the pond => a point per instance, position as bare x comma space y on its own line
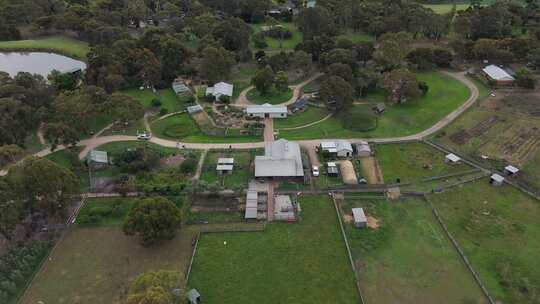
37, 63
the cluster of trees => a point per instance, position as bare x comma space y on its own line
154, 287
17, 267
265, 80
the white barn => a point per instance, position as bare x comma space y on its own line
341, 148
498, 75
266, 110
281, 158
220, 89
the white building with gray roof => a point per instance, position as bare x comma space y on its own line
266, 110
281, 158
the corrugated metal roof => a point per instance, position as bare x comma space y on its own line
194, 109
359, 216
282, 159
511, 169
266, 108
453, 158
496, 177
225, 160
221, 88
224, 167
98, 157
497, 73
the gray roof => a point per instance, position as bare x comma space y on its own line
496, 177
497, 73
194, 109
343, 145
220, 88
98, 157
224, 167
363, 146
281, 158
251, 204
179, 87
266, 108
193, 295
225, 160
511, 169
359, 216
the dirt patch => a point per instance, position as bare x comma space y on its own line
370, 167
463, 136
347, 218
372, 222
172, 161
393, 193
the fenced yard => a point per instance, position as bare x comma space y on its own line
499, 231
304, 262
405, 257
242, 170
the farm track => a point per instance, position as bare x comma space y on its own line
93, 143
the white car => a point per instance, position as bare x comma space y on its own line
315, 171
144, 136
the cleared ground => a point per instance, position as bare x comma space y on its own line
59, 44
407, 258
499, 231
305, 262
96, 265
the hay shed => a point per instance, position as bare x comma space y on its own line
348, 173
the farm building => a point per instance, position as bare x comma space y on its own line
220, 89
510, 170
348, 174
97, 159
194, 109
496, 180
332, 169
179, 87
281, 158
341, 148
379, 108
363, 149
266, 110
452, 159
252, 198
360, 219
299, 105
225, 165
283, 208
497, 74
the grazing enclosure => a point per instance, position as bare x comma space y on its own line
305, 262
403, 256
498, 230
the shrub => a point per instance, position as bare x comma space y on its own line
155, 103
163, 111
188, 166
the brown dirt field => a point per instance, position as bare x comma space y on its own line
202, 118
347, 218
370, 167
372, 222
96, 265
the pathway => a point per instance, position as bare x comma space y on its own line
93, 143
268, 130
243, 101
200, 165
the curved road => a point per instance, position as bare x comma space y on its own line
95, 142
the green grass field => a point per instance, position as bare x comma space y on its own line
445, 95
272, 97
182, 127
121, 146
305, 262
58, 44
168, 98
446, 7
241, 174
107, 211
273, 43
499, 231
408, 258
412, 162
312, 114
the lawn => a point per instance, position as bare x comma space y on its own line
242, 171
287, 44
273, 97
444, 96
241, 77
446, 8
168, 98
96, 265
312, 114
121, 146
408, 258
183, 128
304, 262
413, 161
104, 211
499, 231
58, 44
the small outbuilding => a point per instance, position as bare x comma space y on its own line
194, 297
332, 169
510, 170
220, 89
194, 109
452, 159
252, 199
97, 159
225, 165
496, 180
363, 149
329, 146
283, 208
344, 148
360, 219
179, 87
498, 74
299, 105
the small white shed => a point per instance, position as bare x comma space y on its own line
225, 165
496, 180
452, 159
510, 170
360, 219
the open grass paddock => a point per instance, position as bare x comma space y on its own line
273, 97
57, 44
310, 115
444, 96
408, 259
499, 231
304, 262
